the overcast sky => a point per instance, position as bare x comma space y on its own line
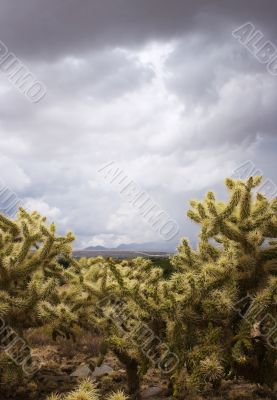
160, 87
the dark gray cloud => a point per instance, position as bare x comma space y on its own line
45, 29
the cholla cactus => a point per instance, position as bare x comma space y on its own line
216, 313
109, 298
137, 321
29, 269
223, 295
87, 391
29, 277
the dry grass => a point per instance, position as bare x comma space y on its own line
86, 343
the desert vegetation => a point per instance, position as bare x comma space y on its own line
198, 328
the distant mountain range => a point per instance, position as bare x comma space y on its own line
151, 246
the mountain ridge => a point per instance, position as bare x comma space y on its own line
149, 246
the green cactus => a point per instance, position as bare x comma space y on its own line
87, 391
29, 280
215, 311
110, 299
224, 293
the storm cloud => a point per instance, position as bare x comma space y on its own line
161, 88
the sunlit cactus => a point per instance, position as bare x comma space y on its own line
29, 280
87, 391
109, 298
215, 311
224, 293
